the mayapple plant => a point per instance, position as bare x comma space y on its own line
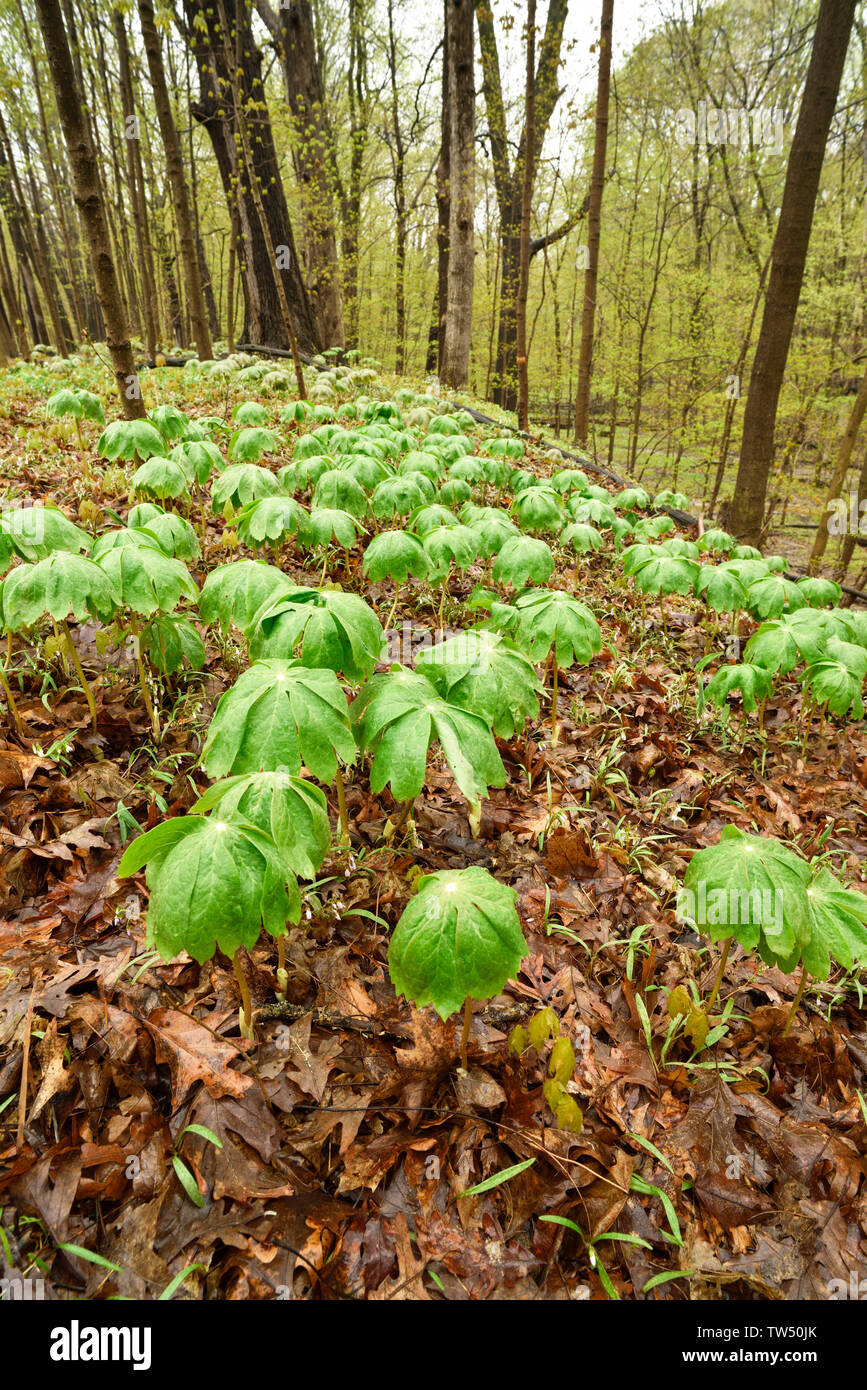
759, 892
554, 624
327, 627
292, 810
214, 883
458, 939
398, 715
485, 673
283, 714
61, 586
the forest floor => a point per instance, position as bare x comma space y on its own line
347, 1137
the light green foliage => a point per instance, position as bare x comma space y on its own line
458, 938
396, 718
280, 714
522, 559
487, 674
233, 594
551, 618
213, 883
292, 810
767, 897
60, 586
334, 630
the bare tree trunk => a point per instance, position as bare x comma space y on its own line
315, 157
265, 249
788, 257
437, 338
399, 168
351, 209
462, 173
526, 201
136, 190
841, 468
594, 226
88, 198
175, 170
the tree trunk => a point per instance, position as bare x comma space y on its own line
788, 257
175, 170
838, 477
594, 226
88, 198
462, 173
314, 156
436, 340
509, 181
136, 189
216, 110
526, 202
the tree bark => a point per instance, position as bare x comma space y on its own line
175, 170
88, 198
526, 207
455, 369
216, 110
509, 181
436, 338
788, 258
594, 226
838, 477
314, 156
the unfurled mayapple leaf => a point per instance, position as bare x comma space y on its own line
292, 810
458, 938
280, 714
213, 883
399, 714
486, 674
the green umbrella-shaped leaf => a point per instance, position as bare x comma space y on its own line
335, 630
523, 558
458, 938
754, 683
549, 618
292, 810
399, 714
394, 555
146, 579
213, 883
280, 714
486, 674
233, 594
63, 585
752, 888
129, 439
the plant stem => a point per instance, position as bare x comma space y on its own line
282, 974
246, 1006
443, 598
324, 569
712, 998
341, 806
142, 680
388, 620
402, 819
798, 997
13, 708
465, 1035
88, 693
554, 704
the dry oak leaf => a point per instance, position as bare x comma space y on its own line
194, 1054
